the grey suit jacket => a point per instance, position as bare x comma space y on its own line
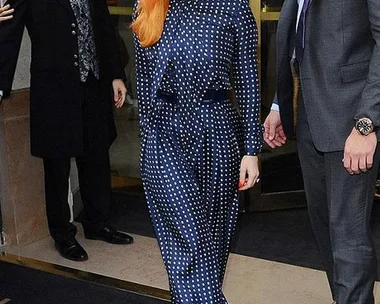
340, 71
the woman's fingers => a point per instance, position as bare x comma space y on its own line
249, 172
251, 179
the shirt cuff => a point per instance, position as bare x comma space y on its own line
275, 107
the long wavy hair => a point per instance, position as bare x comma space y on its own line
149, 24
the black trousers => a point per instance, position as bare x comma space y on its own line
93, 172
340, 207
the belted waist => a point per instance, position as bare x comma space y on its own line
209, 97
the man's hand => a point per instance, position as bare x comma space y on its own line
119, 92
359, 151
274, 134
249, 172
6, 13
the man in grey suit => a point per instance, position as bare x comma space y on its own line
334, 46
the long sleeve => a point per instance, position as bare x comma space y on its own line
245, 74
369, 105
11, 33
144, 81
111, 50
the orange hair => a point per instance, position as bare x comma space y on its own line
149, 24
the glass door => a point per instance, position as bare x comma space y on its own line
124, 152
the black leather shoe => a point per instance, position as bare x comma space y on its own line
71, 250
109, 235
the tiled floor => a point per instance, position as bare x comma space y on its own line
248, 280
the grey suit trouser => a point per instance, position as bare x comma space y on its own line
340, 207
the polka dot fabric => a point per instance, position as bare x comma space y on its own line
192, 145
190, 180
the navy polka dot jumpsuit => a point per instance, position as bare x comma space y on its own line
193, 137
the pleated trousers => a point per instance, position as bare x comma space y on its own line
190, 168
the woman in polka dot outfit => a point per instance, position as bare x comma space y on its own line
193, 139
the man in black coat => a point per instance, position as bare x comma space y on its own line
75, 67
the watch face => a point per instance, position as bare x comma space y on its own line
364, 126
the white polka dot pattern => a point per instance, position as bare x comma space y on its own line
191, 148
205, 40
190, 180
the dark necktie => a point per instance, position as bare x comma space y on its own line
300, 34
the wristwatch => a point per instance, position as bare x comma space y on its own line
364, 126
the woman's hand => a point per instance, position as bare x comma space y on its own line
249, 172
6, 13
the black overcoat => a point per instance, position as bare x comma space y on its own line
55, 102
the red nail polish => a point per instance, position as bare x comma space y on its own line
241, 184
